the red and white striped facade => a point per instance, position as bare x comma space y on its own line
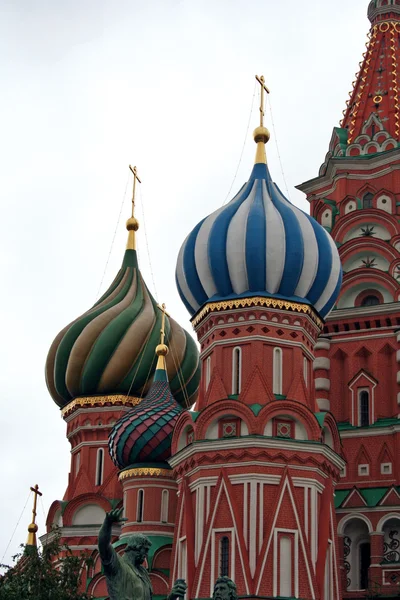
254, 464
286, 475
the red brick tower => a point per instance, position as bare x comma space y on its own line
98, 368
356, 198
256, 462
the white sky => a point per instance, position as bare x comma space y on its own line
89, 86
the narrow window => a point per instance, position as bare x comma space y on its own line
77, 463
224, 553
140, 499
367, 200
285, 574
164, 506
99, 466
364, 408
365, 561
277, 367
305, 370
208, 371
236, 370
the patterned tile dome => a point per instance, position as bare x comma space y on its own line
259, 244
144, 434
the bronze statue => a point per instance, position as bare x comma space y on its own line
225, 589
126, 578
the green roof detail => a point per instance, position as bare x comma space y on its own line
372, 496
320, 416
256, 408
345, 426
340, 497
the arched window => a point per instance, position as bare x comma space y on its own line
277, 370
370, 300
367, 200
224, 557
236, 370
305, 370
164, 506
140, 502
208, 371
364, 408
364, 561
99, 466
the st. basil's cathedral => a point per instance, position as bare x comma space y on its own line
269, 451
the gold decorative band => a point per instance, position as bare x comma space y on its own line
257, 301
88, 401
140, 471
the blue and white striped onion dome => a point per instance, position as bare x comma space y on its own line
259, 244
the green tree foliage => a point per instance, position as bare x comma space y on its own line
52, 573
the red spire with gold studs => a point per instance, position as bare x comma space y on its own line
376, 87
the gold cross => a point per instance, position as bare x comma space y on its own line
264, 88
135, 176
162, 330
33, 527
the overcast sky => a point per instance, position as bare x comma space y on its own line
89, 86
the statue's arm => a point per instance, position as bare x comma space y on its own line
106, 550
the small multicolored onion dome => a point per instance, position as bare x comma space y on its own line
110, 348
259, 244
144, 434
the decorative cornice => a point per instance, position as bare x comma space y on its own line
256, 301
145, 471
91, 401
253, 442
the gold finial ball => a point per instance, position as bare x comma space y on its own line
132, 224
162, 350
33, 528
261, 134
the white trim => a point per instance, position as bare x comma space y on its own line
269, 341
306, 370
208, 370
363, 470
261, 517
245, 511
382, 521
257, 442
236, 369
284, 487
177, 533
295, 561
335, 551
231, 575
306, 495
277, 370
322, 363
370, 405
349, 517
253, 527
140, 485
387, 466
208, 540
93, 410
164, 506
354, 387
